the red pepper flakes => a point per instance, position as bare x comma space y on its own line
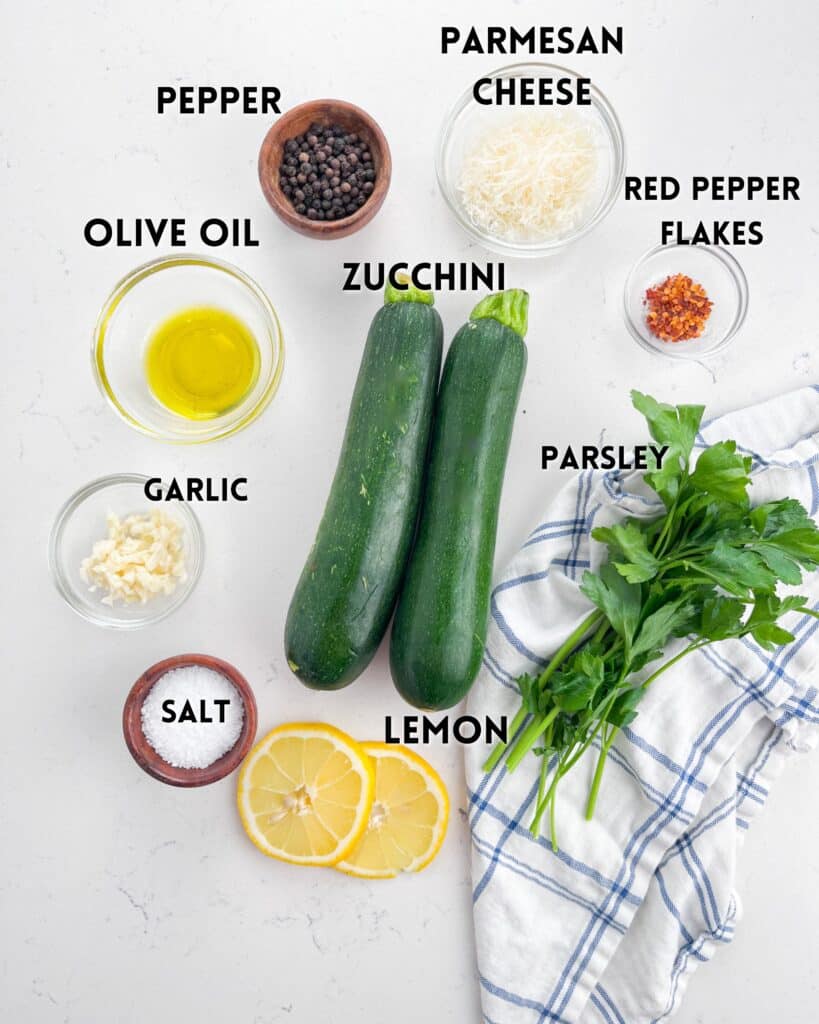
678, 309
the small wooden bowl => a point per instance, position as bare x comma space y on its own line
296, 122
145, 755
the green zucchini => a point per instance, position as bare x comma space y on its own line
439, 631
347, 591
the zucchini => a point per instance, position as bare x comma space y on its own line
346, 594
439, 631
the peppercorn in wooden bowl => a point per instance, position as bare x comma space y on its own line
325, 168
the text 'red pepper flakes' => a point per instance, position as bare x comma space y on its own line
678, 309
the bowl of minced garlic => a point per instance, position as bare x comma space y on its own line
120, 560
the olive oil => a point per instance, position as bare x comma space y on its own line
202, 362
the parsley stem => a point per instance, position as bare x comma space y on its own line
544, 774
500, 748
672, 661
541, 806
607, 742
552, 822
558, 658
598, 773
569, 645
529, 737
563, 766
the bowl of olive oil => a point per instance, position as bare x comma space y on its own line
188, 349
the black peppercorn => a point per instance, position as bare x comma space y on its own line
327, 173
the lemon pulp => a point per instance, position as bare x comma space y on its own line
408, 817
305, 793
202, 362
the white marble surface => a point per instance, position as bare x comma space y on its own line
123, 900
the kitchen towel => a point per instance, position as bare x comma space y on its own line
609, 928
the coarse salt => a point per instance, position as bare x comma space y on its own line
186, 744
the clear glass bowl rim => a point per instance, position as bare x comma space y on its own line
126, 284
671, 351
66, 591
533, 249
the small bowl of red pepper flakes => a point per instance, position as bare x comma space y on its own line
686, 301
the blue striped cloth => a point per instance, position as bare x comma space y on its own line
609, 928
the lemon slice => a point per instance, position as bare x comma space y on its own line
408, 818
305, 793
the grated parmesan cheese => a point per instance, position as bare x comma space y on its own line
142, 557
532, 178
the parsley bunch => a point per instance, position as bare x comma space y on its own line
707, 569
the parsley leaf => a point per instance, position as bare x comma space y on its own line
738, 570
780, 516
722, 475
575, 686
629, 541
677, 428
658, 627
618, 599
624, 709
721, 617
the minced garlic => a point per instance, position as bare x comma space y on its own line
142, 557
532, 178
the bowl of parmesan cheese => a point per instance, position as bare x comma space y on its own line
121, 560
530, 158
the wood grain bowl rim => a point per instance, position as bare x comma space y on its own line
325, 111
145, 755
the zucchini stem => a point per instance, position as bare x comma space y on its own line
406, 293
510, 308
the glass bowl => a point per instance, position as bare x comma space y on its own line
82, 521
146, 298
711, 266
468, 119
